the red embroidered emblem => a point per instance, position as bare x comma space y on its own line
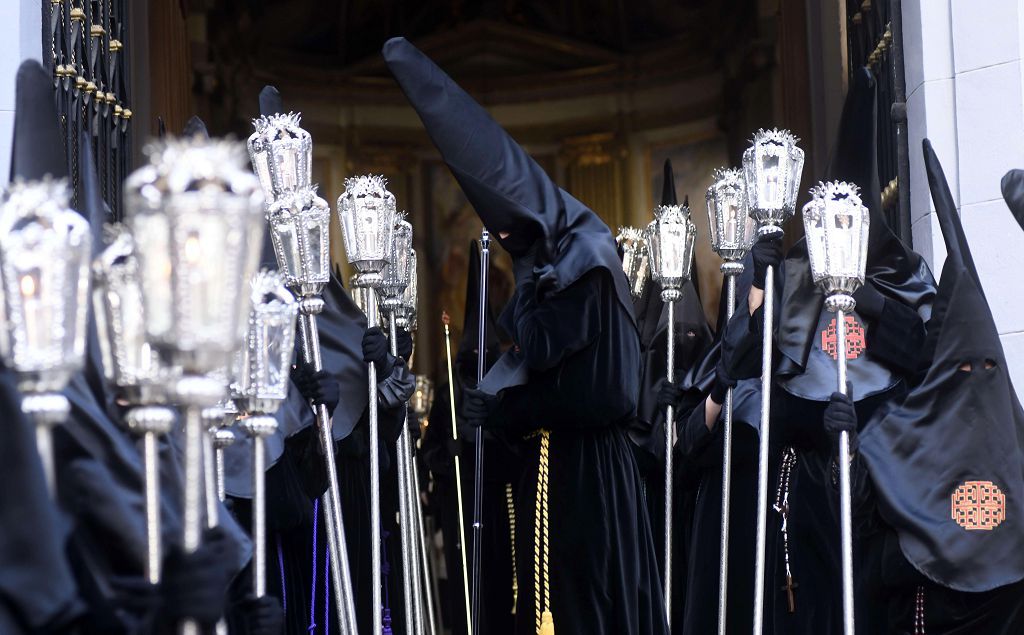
979, 505
855, 341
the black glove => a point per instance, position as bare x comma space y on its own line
414, 427
194, 584
841, 416
870, 302
723, 382
317, 386
477, 406
376, 351
261, 616
669, 394
404, 344
766, 252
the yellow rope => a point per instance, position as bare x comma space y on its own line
541, 581
512, 532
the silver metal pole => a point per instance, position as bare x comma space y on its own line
478, 490
194, 392
670, 429
258, 427
409, 566
210, 473
151, 422
731, 270
341, 577
428, 589
46, 410
371, 321
762, 459
846, 516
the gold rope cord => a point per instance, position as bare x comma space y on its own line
512, 530
545, 625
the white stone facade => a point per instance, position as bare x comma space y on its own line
965, 92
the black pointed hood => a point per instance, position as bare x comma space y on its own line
195, 127
466, 358
270, 101
668, 185
1012, 186
161, 128
506, 187
38, 146
948, 461
896, 271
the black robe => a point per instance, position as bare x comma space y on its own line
583, 358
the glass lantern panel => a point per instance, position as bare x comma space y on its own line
317, 228
286, 165
673, 249
286, 245
277, 334
261, 165
814, 229
153, 231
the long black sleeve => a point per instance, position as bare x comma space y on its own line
562, 324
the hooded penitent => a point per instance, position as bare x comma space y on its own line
573, 378
37, 588
948, 462
693, 337
897, 272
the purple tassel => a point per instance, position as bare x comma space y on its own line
280, 566
387, 623
312, 592
327, 588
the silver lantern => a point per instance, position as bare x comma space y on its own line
196, 213
130, 363
733, 233
261, 384
282, 154
422, 396
836, 224
772, 166
367, 213
670, 239
299, 224
358, 294
636, 262
395, 274
670, 244
44, 273
409, 309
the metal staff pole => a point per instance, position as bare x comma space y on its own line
366, 210
772, 167
670, 243
846, 515
151, 422
428, 591
410, 566
341, 577
837, 224
732, 234
458, 470
478, 477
